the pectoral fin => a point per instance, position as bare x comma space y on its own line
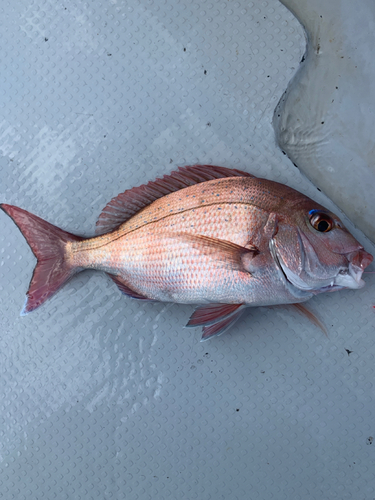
225, 253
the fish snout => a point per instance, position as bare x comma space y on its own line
357, 264
360, 259
352, 277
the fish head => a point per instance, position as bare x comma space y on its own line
315, 252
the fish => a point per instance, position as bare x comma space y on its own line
216, 237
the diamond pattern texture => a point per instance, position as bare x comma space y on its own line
105, 397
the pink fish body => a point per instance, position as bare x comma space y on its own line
203, 235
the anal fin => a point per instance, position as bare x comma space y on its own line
125, 289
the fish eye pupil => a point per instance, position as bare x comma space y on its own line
321, 222
322, 226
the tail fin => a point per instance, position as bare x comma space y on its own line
48, 244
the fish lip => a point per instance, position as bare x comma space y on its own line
357, 263
298, 293
360, 259
351, 279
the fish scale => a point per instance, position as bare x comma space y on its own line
216, 221
166, 267
235, 195
235, 191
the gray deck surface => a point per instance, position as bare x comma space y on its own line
105, 397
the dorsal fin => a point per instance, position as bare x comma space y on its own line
125, 205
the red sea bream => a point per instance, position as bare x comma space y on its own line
206, 235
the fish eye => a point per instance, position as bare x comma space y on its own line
321, 222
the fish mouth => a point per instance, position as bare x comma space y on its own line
352, 276
293, 283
